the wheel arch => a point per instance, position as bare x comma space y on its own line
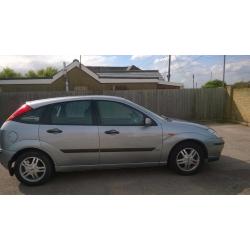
204, 148
24, 150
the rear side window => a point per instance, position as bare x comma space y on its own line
31, 117
71, 113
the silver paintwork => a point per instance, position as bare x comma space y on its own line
17, 136
73, 137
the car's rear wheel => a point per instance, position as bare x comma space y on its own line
187, 158
33, 168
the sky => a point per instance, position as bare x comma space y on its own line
183, 67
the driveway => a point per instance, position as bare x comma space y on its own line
230, 175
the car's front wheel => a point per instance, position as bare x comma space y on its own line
33, 168
187, 158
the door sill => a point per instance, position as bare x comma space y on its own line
108, 166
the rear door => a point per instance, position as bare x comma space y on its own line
70, 133
124, 138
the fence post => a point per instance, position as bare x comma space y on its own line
228, 103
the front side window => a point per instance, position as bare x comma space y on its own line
115, 114
71, 113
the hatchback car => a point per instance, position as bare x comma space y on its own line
88, 132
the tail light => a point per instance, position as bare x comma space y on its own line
22, 110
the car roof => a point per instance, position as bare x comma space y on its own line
47, 101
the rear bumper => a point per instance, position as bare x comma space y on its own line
5, 157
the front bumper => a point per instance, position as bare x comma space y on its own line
213, 158
214, 148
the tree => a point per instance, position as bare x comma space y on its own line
31, 74
9, 73
42, 73
47, 72
213, 84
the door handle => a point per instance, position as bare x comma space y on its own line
54, 131
112, 132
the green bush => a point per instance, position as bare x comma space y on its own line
213, 84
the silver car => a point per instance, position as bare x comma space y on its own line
90, 132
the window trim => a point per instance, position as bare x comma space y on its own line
45, 118
98, 116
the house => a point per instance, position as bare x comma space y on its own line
76, 76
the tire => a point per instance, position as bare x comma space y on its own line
187, 158
33, 168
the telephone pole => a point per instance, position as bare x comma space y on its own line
224, 67
66, 77
193, 81
169, 64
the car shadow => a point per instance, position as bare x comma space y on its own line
226, 176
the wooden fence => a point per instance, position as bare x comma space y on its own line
189, 104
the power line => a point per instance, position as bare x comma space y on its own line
241, 72
208, 73
196, 59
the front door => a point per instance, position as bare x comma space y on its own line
124, 139
70, 134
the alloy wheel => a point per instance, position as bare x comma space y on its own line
188, 159
32, 169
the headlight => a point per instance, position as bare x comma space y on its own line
212, 131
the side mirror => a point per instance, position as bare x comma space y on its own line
148, 122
